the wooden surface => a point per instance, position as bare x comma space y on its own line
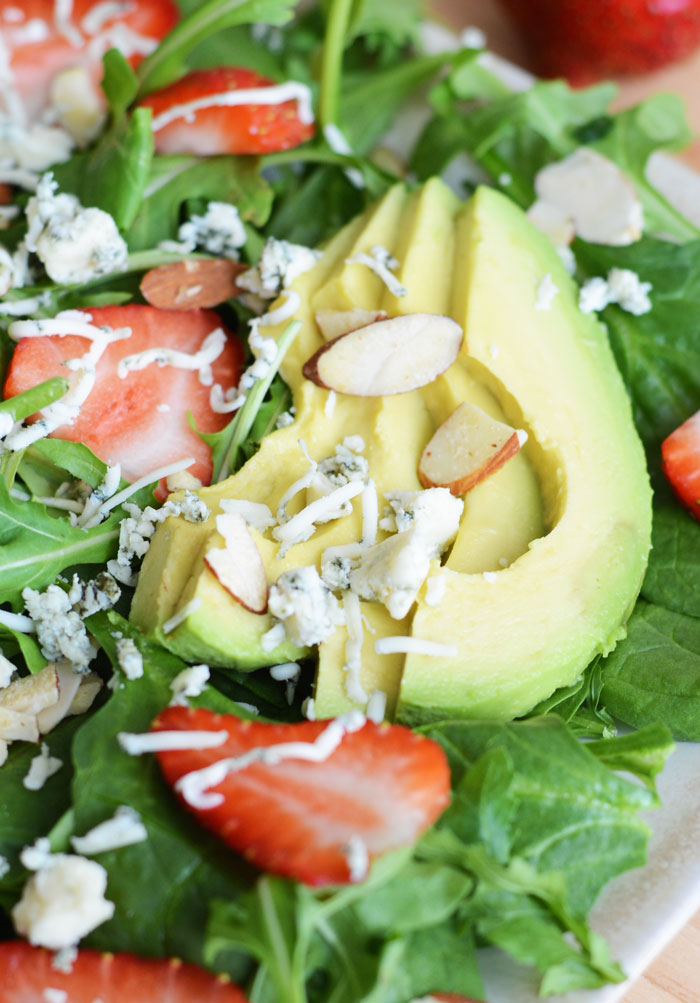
674, 977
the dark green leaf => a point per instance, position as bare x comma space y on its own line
653, 676
208, 19
673, 575
175, 180
117, 170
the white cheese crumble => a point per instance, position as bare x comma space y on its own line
220, 230
339, 144
169, 741
353, 649
414, 646
306, 606
279, 265
181, 615
393, 571
291, 90
435, 590
124, 829
194, 787
622, 286
7, 670
60, 630
73, 243
41, 768
255, 514
376, 706
383, 264
303, 525
64, 960
358, 858
32, 149
547, 290
129, 658
62, 902
55, 995
191, 682
288, 673
4, 866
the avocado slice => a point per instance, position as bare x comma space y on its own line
562, 530
536, 624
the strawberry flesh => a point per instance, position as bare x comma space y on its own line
586, 41
35, 62
112, 978
384, 785
680, 461
246, 128
139, 421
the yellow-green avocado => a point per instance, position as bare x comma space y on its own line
562, 530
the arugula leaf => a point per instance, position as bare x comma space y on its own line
160, 887
74, 457
35, 546
166, 63
116, 171
23, 404
654, 674
119, 82
177, 179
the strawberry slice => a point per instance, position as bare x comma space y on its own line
139, 421
245, 128
380, 788
28, 972
680, 461
40, 43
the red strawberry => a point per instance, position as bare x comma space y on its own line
383, 785
26, 972
139, 421
38, 46
587, 40
680, 460
245, 128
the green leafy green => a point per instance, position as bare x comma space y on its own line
36, 546
178, 179
160, 887
25, 815
673, 575
654, 674
207, 19
117, 170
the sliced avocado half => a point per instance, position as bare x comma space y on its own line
562, 529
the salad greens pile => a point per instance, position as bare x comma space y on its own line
539, 821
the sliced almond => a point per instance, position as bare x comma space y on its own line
188, 285
90, 686
68, 685
32, 694
239, 566
552, 221
16, 726
466, 448
387, 357
593, 192
333, 323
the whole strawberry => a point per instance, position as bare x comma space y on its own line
587, 40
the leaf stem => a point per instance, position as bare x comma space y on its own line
332, 60
241, 425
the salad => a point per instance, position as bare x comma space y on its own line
205, 377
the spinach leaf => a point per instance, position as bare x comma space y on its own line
25, 815
673, 574
160, 887
654, 674
657, 352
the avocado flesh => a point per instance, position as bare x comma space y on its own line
563, 595
537, 623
